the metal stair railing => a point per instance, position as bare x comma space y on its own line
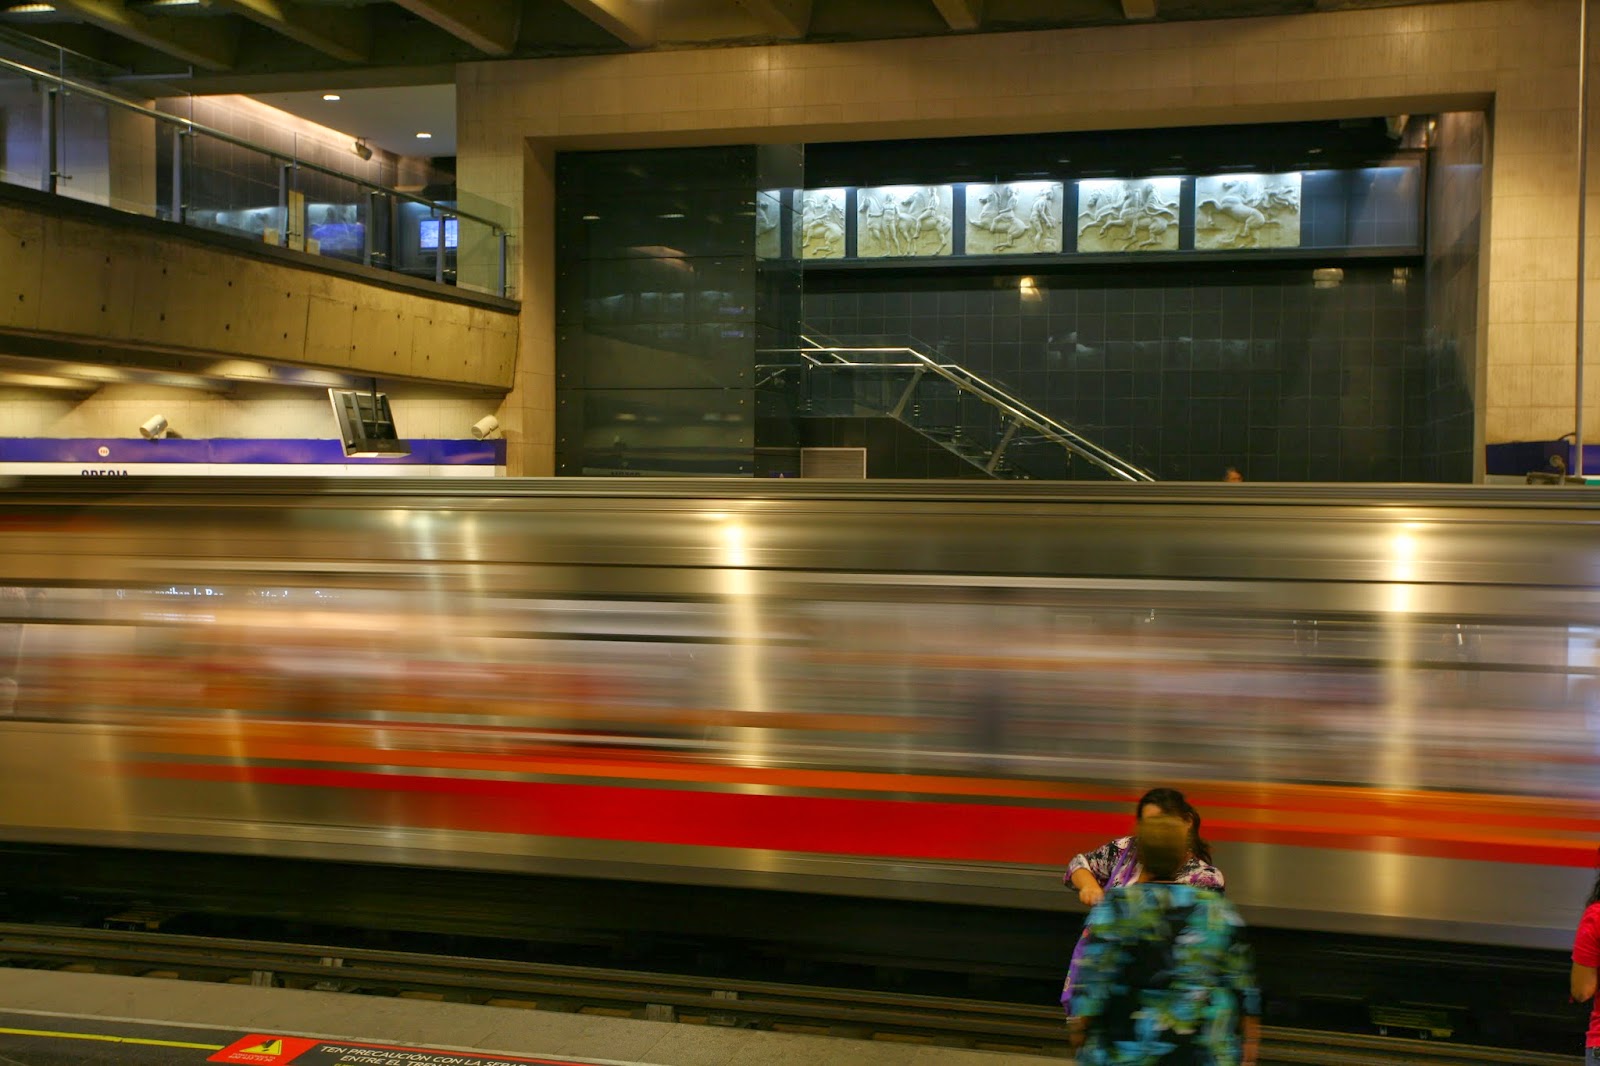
1016, 415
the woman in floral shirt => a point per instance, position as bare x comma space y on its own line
1167, 977
1117, 863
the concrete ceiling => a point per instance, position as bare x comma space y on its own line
389, 117
392, 61
257, 46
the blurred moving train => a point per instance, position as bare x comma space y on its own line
1383, 699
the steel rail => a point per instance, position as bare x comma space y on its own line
661, 996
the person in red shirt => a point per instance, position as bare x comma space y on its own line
1585, 960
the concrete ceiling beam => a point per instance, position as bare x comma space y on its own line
961, 14
1138, 10
490, 26
785, 18
344, 35
633, 22
205, 43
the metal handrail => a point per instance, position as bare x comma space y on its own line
966, 381
83, 89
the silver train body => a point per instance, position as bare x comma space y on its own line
1383, 700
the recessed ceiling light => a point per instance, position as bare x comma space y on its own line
591, 218
330, 96
671, 214
30, 9
424, 135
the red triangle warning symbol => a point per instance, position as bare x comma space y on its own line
264, 1050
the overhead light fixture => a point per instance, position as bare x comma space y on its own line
154, 428
331, 97
591, 218
671, 214
31, 9
174, 3
424, 135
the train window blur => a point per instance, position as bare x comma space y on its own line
1180, 682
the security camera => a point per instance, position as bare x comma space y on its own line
154, 429
487, 426
360, 148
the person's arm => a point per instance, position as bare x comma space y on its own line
1089, 872
1586, 955
1583, 982
1089, 888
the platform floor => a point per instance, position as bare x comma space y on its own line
50, 1018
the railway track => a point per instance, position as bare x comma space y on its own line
656, 996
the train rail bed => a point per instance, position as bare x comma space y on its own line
57, 1018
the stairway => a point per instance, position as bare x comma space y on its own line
976, 420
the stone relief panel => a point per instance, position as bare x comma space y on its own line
1234, 211
769, 216
821, 224
904, 220
1128, 215
1015, 218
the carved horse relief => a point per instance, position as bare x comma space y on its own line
880, 225
920, 212
822, 229
1022, 217
1129, 216
1247, 211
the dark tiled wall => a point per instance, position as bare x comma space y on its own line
1455, 201
1185, 370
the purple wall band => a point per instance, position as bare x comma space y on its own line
330, 452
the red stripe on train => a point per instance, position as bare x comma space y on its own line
919, 829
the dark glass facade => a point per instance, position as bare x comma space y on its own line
656, 311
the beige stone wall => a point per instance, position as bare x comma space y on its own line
246, 411
1518, 56
100, 281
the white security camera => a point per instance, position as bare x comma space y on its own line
154, 429
487, 426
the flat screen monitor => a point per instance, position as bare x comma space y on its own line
430, 233
366, 424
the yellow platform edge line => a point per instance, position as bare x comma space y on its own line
109, 1039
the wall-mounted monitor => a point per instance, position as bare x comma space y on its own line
429, 233
366, 424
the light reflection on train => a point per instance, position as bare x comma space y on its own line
937, 732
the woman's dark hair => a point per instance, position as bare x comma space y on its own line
1171, 801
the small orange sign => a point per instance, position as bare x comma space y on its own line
264, 1050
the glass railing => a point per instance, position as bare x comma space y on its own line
73, 139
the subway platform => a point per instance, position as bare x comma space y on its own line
55, 1018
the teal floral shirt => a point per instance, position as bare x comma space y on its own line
1165, 978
